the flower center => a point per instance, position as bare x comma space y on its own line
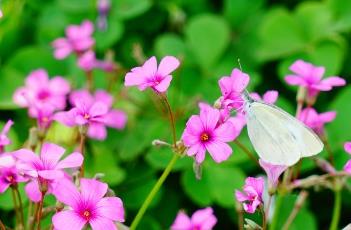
43, 95
86, 214
204, 137
86, 116
10, 179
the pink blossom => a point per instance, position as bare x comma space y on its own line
232, 87
40, 91
316, 121
347, 167
89, 206
347, 147
202, 219
203, 132
46, 168
78, 39
252, 198
151, 76
310, 77
4, 140
94, 112
88, 62
270, 97
273, 172
9, 174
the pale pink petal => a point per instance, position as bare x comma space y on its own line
301, 68
209, 118
6, 161
225, 84
167, 65
270, 96
327, 116
68, 219
257, 184
51, 153
317, 74
97, 131
116, 119
200, 153
26, 155
71, 161
150, 67
255, 96
98, 109
86, 28
273, 171
194, 125
104, 97
33, 191
81, 99
182, 222
20, 97
66, 192
37, 78
241, 197
225, 132
62, 48
334, 81
87, 61
111, 208
164, 84
132, 79
347, 147
3, 185
7, 127
204, 218
190, 139
295, 80
59, 85
219, 151
51, 174
102, 223
240, 80
67, 118
90, 194
347, 167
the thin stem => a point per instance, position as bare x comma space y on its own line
29, 213
90, 82
171, 118
298, 205
153, 192
240, 212
328, 148
20, 205
2, 226
81, 150
40, 210
247, 151
278, 205
264, 220
15, 203
336, 211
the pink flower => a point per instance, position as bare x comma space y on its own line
78, 39
273, 172
89, 206
9, 174
252, 198
203, 132
316, 121
347, 147
46, 168
202, 219
40, 91
88, 62
270, 97
4, 140
310, 77
151, 76
94, 112
232, 87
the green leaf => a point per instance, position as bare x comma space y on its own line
160, 157
280, 35
169, 44
77, 6
113, 33
126, 9
197, 190
341, 14
222, 183
10, 80
207, 37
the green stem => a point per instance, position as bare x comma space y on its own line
15, 203
247, 151
276, 215
336, 210
153, 192
20, 205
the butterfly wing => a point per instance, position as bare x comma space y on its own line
277, 137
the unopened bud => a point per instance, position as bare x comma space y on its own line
251, 225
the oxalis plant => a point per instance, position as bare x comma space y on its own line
45, 170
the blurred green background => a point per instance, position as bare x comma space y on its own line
209, 37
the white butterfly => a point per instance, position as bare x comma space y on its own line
278, 137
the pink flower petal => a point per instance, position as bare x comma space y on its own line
164, 84
241, 197
295, 80
51, 174
37, 78
98, 109
7, 127
94, 195
51, 154
132, 78
327, 116
111, 208
334, 81
240, 80
26, 156
33, 191
66, 118
225, 132
200, 153
104, 97
273, 171
3, 185
204, 218
102, 223
82, 99
219, 151
7, 161
167, 65
270, 96
181, 222
68, 219
71, 161
66, 192
209, 118
97, 131
150, 67
20, 97
347, 167
194, 125
301, 68
347, 147
116, 119
59, 85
